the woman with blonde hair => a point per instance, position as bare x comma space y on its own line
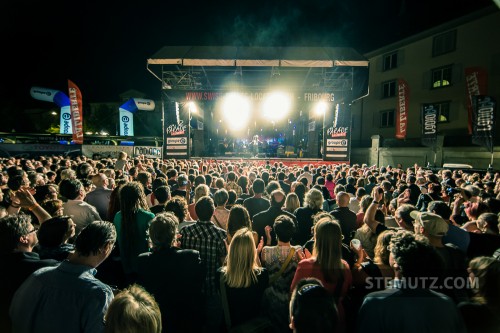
326, 263
201, 190
133, 310
242, 278
291, 202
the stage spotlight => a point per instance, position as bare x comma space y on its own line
236, 110
321, 107
276, 106
192, 107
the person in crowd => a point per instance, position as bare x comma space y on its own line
291, 202
207, 239
433, 194
472, 211
300, 190
257, 203
231, 199
366, 236
68, 298
200, 191
487, 223
151, 197
18, 237
221, 213
53, 236
355, 201
178, 206
99, 197
281, 262
481, 313
410, 306
144, 177
312, 308
174, 276
241, 278
267, 218
53, 206
345, 216
45, 192
182, 187
81, 212
114, 200
239, 219
313, 203
330, 185
132, 223
133, 310
161, 196
232, 185
284, 186
326, 264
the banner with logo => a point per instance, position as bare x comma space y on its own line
126, 123
75, 99
337, 135
483, 121
127, 111
476, 82
429, 125
402, 109
59, 98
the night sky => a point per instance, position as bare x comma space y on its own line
103, 46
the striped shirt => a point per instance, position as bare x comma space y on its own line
208, 239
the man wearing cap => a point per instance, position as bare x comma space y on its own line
434, 227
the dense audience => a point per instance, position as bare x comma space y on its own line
149, 245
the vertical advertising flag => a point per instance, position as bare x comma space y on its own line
483, 121
429, 125
402, 109
75, 99
476, 81
126, 123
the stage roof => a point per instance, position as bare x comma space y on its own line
256, 68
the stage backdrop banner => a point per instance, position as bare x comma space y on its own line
75, 98
337, 135
402, 109
429, 125
483, 121
476, 83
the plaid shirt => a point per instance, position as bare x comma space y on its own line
235, 187
208, 239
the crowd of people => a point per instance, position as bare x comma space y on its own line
150, 245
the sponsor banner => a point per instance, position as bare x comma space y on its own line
177, 141
205, 95
200, 125
134, 104
177, 147
75, 98
402, 109
176, 153
336, 155
312, 126
65, 124
126, 123
476, 80
429, 125
106, 151
336, 148
337, 133
337, 142
483, 121
148, 152
176, 129
49, 95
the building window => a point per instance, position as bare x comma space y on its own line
444, 43
387, 118
390, 61
389, 89
441, 77
443, 111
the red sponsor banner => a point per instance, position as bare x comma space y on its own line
402, 109
476, 83
75, 100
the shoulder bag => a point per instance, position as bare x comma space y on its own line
277, 275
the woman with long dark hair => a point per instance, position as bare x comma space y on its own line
132, 223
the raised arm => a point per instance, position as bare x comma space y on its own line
369, 218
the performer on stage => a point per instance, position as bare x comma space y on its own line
254, 145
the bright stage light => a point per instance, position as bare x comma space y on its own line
321, 107
276, 106
192, 107
236, 110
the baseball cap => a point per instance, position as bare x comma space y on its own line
433, 224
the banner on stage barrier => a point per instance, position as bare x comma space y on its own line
337, 135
